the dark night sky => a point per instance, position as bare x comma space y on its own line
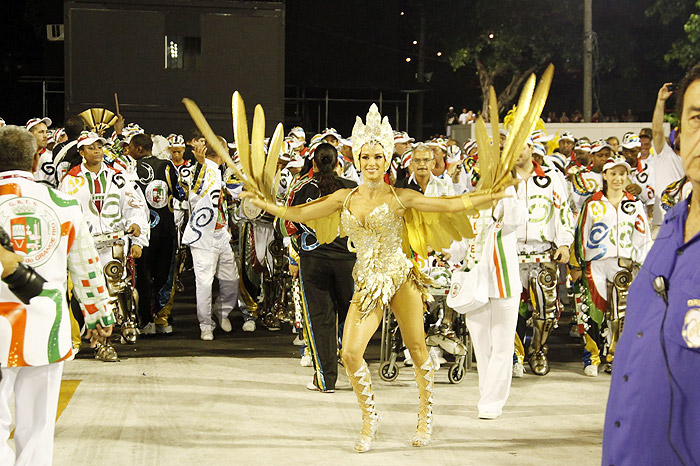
356, 49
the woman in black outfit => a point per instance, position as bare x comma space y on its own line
325, 274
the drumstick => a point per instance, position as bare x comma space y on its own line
116, 102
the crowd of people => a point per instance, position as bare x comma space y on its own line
578, 217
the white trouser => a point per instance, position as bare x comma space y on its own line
36, 390
208, 263
602, 272
492, 330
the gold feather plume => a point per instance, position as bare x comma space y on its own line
496, 165
258, 170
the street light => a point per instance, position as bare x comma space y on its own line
408, 59
491, 36
415, 42
439, 54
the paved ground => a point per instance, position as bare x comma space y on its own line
241, 400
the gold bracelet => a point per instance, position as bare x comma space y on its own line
467, 202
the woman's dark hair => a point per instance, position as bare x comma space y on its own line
326, 158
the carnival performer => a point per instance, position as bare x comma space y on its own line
544, 239
372, 216
44, 171
491, 327
641, 177
110, 202
589, 180
49, 232
159, 182
325, 274
209, 240
611, 240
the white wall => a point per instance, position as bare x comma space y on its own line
592, 130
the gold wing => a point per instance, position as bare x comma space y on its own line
497, 167
327, 228
436, 230
258, 170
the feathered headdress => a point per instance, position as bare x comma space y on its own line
373, 131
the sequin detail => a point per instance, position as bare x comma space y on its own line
381, 267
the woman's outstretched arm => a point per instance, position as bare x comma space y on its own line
319, 208
470, 203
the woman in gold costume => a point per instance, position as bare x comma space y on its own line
374, 216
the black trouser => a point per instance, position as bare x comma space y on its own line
152, 271
327, 288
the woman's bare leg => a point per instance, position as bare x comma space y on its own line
356, 336
407, 306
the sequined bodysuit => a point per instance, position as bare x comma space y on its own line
381, 267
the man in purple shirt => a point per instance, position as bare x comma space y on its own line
653, 414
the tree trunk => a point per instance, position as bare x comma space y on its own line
507, 96
511, 90
485, 81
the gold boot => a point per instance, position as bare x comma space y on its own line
424, 378
362, 386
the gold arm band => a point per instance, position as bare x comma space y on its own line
467, 202
281, 210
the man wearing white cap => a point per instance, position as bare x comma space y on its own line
299, 135
579, 158
590, 180
543, 241
111, 204
566, 144
641, 176
45, 171
402, 143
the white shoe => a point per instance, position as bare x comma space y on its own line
206, 335
518, 370
298, 341
248, 326
161, 329
148, 329
306, 361
226, 325
591, 370
488, 415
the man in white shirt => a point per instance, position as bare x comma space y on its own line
666, 163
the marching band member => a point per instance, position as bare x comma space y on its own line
587, 181
207, 235
110, 202
612, 238
45, 171
544, 240
159, 182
